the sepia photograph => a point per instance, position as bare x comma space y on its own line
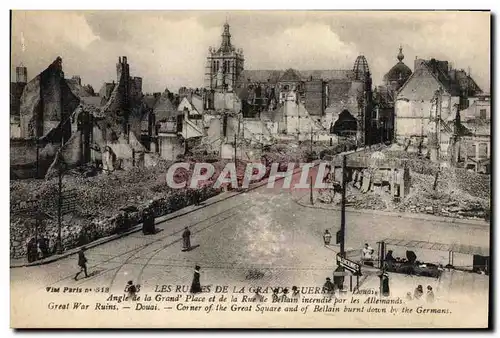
250, 169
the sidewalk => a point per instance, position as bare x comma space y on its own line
22, 262
304, 202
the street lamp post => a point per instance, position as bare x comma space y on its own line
311, 197
342, 214
37, 158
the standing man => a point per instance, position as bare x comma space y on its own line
197, 196
195, 285
384, 284
327, 237
367, 254
82, 263
328, 287
186, 239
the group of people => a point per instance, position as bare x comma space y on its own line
367, 255
37, 248
284, 295
419, 294
330, 287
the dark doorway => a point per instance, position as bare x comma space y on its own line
345, 125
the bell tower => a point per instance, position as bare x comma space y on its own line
224, 65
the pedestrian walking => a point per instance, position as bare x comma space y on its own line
430, 294
195, 285
186, 239
131, 289
82, 263
275, 296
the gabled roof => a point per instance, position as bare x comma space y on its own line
452, 85
290, 75
197, 101
164, 109
328, 75
150, 101
274, 76
260, 75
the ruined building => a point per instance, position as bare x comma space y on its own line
74, 126
46, 105
385, 97
16, 90
327, 97
415, 99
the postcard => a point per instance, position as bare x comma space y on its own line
250, 169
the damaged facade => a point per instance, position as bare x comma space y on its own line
385, 97
414, 99
75, 126
444, 114
300, 102
16, 91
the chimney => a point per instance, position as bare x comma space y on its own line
434, 66
21, 74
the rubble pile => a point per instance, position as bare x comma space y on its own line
370, 201
477, 185
100, 199
459, 193
449, 198
355, 199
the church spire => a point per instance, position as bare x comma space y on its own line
401, 55
226, 46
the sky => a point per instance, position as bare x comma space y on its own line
168, 49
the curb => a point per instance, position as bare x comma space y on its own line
103, 240
159, 220
398, 215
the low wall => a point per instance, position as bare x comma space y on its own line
75, 234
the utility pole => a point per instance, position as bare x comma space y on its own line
311, 139
438, 127
311, 189
342, 213
185, 137
235, 148
59, 210
37, 158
